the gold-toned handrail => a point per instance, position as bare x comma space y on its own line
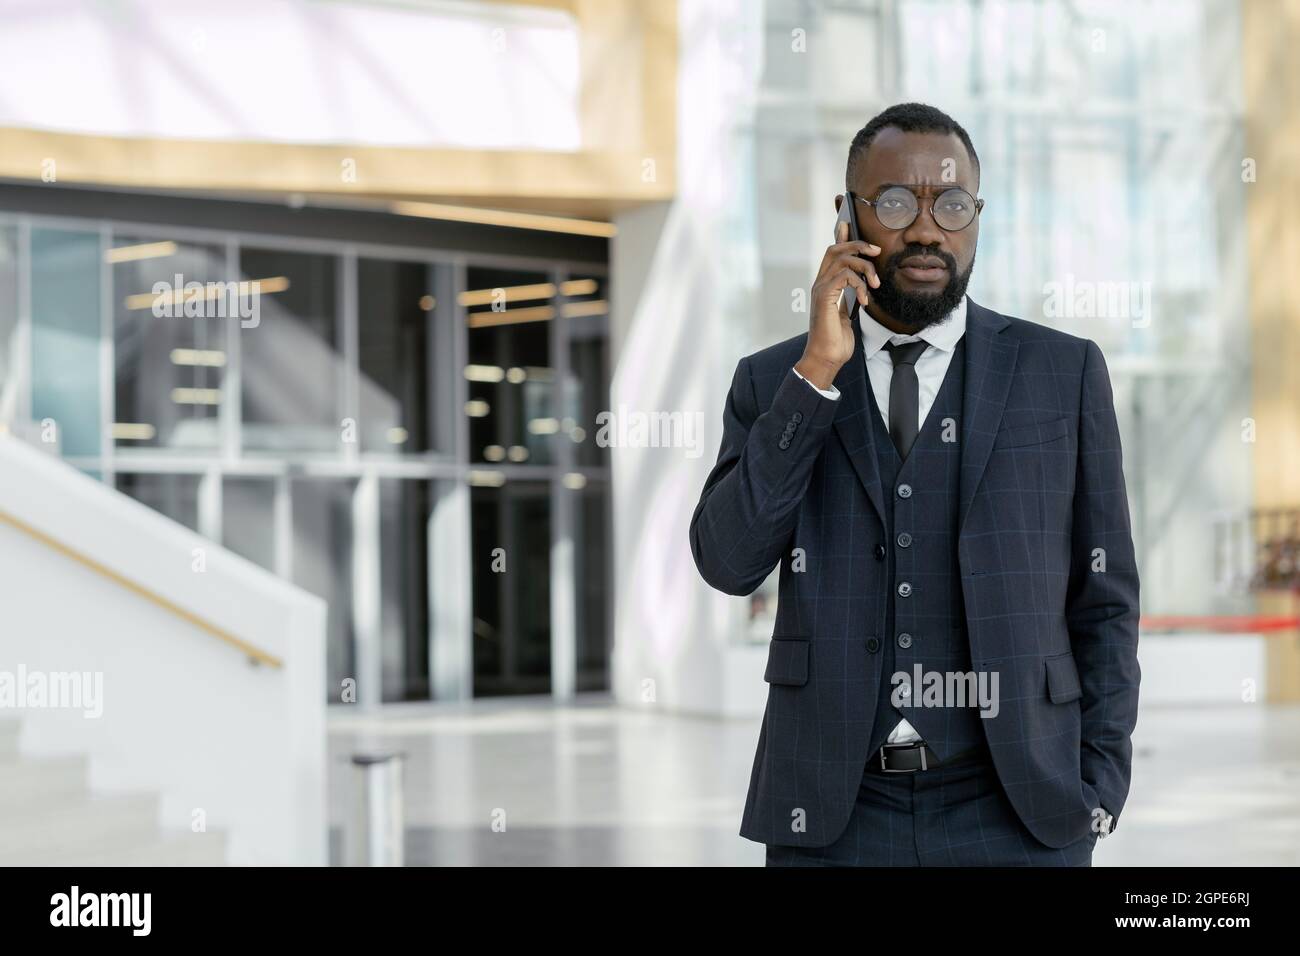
254, 653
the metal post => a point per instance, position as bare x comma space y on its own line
375, 832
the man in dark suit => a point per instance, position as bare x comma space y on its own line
953, 674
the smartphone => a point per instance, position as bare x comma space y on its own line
846, 215
849, 297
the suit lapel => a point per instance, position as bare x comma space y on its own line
853, 421
990, 363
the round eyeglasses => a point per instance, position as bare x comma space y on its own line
897, 208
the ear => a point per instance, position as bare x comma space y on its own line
839, 201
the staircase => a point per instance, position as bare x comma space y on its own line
48, 817
173, 649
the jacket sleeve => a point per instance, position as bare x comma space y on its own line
750, 503
1102, 600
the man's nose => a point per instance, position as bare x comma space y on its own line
924, 231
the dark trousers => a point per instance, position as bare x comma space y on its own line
954, 816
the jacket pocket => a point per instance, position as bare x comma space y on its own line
787, 661
1062, 679
1035, 433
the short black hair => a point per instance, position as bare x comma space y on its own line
910, 118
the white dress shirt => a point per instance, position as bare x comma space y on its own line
931, 368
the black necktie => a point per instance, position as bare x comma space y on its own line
904, 394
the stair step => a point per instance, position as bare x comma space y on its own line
48, 818
183, 849
89, 824
34, 781
9, 730
178, 848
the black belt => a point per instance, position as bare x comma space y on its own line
909, 758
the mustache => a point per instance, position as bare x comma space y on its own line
918, 250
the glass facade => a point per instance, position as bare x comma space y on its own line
291, 388
248, 519
13, 387
325, 532
512, 600
1110, 138
169, 366
406, 561
396, 345
175, 496
323, 409
66, 329
511, 376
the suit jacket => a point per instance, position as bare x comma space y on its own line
1044, 552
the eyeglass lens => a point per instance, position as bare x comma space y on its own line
897, 206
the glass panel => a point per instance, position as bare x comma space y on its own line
66, 336
1089, 227
397, 307
292, 355
586, 313
248, 519
592, 565
404, 587
322, 563
176, 496
511, 385
169, 341
11, 356
512, 602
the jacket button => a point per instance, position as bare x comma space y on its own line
783, 444
904, 640
904, 589
880, 552
904, 540
873, 645
904, 490
797, 417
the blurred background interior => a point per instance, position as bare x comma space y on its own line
374, 518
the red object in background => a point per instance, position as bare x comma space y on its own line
1230, 624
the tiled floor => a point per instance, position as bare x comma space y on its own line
595, 784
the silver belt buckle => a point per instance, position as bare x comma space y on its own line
885, 769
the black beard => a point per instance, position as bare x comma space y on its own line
919, 310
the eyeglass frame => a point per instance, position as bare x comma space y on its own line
979, 204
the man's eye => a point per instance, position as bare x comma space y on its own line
891, 203
955, 205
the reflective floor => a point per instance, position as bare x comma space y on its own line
526, 782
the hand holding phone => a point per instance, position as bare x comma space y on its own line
846, 272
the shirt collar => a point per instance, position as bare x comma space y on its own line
942, 335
